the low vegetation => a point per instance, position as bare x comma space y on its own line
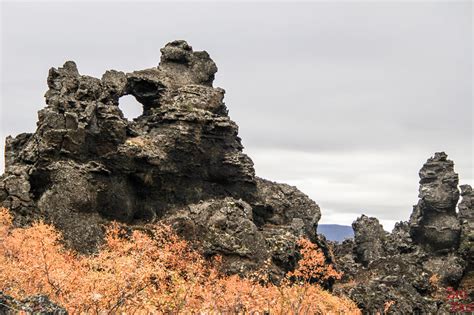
142, 272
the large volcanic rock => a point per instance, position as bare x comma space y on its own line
181, 162
434, 222
410, 268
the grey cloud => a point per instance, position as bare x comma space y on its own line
383, 184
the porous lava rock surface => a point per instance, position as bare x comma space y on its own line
37, 304
180, 162
408, 270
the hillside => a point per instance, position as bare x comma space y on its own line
336, 232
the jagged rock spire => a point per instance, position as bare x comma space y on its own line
434, 222
368, 236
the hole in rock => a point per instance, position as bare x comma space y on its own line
39, 182
261, 214
130, 107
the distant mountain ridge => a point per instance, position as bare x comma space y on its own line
336, 232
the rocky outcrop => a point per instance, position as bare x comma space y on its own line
466, 215
466, 247
369, 237
408, 270
180, 162
434, 222
37, 304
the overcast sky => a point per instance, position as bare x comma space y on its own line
345, 100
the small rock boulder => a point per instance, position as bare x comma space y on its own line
369, 237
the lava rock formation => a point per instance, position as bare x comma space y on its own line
414, 265
180, 162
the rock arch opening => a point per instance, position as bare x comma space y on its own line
130, 107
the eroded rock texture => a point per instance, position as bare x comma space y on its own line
466, 214
411, 267
434, 222
466, 247
37, 304
369, 236
180, 162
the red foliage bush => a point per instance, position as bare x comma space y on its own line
312, 265
150, 272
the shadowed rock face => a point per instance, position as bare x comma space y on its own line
181, 162
413, 265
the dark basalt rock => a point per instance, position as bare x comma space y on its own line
466, 215
375, 295
411, 267
434, 222
466, 247
369, 236
181, 161
223, 227
37, 304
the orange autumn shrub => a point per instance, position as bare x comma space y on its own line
312, 265
146, 272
